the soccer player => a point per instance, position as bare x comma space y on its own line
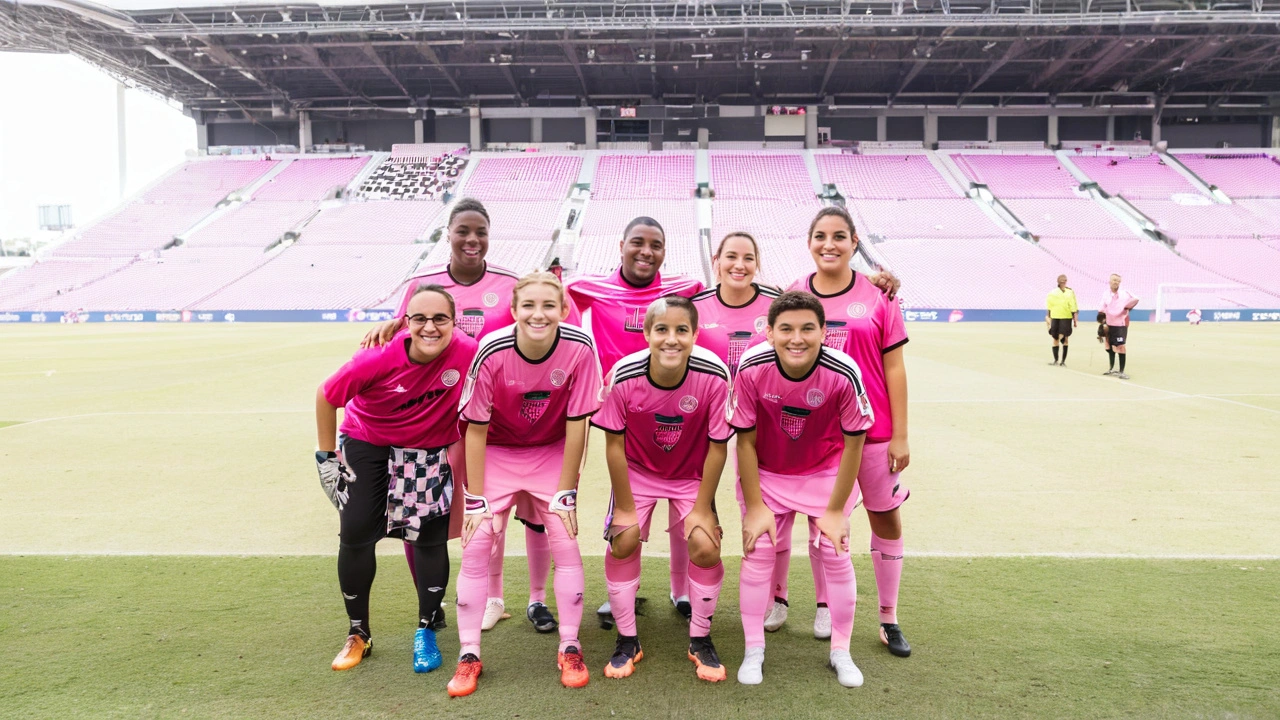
801, 414
1061, 315
867, 325
529, 394
393, 477
483, 294
665, 416
617, 303
1116, 306
732, 315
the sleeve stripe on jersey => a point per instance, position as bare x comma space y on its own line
490, 348
629, 372
769, 291
577, 336
501, 271
855, 433
700, 365
611, 431
761, 358
832, 363
895, 346
581, 417
709, 292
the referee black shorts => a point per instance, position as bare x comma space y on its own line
1060, 327
1117, 335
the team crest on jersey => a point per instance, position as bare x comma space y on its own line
533, 404
635, 319
856, 310
793, 421
761, 323
738, 342
837, 335
558, 377
814, 397
666, 430
490, 299
450, 378
471, 321
688, 403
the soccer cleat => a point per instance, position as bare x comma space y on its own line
777, 617
705, 660
891, 635
1053, 362
494, 610
1109, 372
573, 670
353, 651
542, 619
683, 606
465, 677
426, 654
626, 654
605, 615
751, 672
1122, 376
822, 624
847, 673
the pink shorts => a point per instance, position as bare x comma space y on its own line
882, 490
805, 494
647, 490
526, 478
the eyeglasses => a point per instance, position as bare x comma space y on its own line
419, 320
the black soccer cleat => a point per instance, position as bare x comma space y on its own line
706, 662
891, 635
541, 617
683, 606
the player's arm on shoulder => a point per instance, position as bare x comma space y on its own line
887, 282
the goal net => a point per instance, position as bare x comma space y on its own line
1181, 297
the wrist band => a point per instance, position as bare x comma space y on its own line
565, 501
475, 504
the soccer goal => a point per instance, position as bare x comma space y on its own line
1166, 291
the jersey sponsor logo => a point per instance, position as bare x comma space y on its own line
738, 342
558, 377
814, 397
837, 335
450, 377
490, 299
856, 310
424, 397
634, 321
761, 323
792, 419
533, 404
864, 405
471, 321
666, 430
772, 398
688, 403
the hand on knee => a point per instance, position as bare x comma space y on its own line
625, 543
703, 551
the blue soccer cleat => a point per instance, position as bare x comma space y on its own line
426, 655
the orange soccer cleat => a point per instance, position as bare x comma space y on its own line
465, 678
705, 660
353, 651
573, 670
625, 656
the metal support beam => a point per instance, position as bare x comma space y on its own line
372, 54
831, 67
313, 56
1057, 64
429, 53
1117, 52
1016, 48
572, 53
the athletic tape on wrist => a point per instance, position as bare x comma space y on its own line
564, 501
475, 504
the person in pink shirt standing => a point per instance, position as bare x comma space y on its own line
801, 414
867, 325
616, 303
390, 474
528, 396
1116, 306
665, 416
483, 294
732, 316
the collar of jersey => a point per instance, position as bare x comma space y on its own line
539, 361
448, 270
777, 359
755, 295
648, 375
838, 293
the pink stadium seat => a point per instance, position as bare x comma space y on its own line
137, 228
522, 220
175, 280
1019, 176
923, 219
772, 176
885, 177
608, 218
653, 176
32, 287
1201, 220
1067, 218
206, 181
320, 277
311, 179
255, 224
385, 222
533, 176
1245, 260
1255, 175
1139, 177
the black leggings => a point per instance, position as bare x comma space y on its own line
364, 523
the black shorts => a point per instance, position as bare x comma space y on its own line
364, 517
1117, 335
1060, 327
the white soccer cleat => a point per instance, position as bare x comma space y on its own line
776, 618
822, 624
751, 672
494, 611
847, 673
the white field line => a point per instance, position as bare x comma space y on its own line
1175, 393
924, 554
154, 412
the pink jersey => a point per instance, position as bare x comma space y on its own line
667, 429
799, 423
482, 307
864, 324
728, 330
392, 400
526, 402
1113, 304
617, 310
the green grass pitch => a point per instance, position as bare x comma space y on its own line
1080, 546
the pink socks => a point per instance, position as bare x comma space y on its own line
841, 593
538, 547
886, 559
704, 593
623, 580
754, 589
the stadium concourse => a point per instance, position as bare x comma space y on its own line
975, 230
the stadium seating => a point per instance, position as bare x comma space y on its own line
1255, 175
137, 228
608, 218
206, 181
958, 218
885, 177
174, 280
31, 287
1019, 176
399, 178
529, 176
1135, 177
1266, 213
1209, 220
382, 222
519, 256
311, 179
654, 176
1244, 260
255, 224
522, 220
769, 176
327, 276
1067, 218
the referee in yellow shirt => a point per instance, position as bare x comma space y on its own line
1061, 316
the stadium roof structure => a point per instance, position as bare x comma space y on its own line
370, 58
